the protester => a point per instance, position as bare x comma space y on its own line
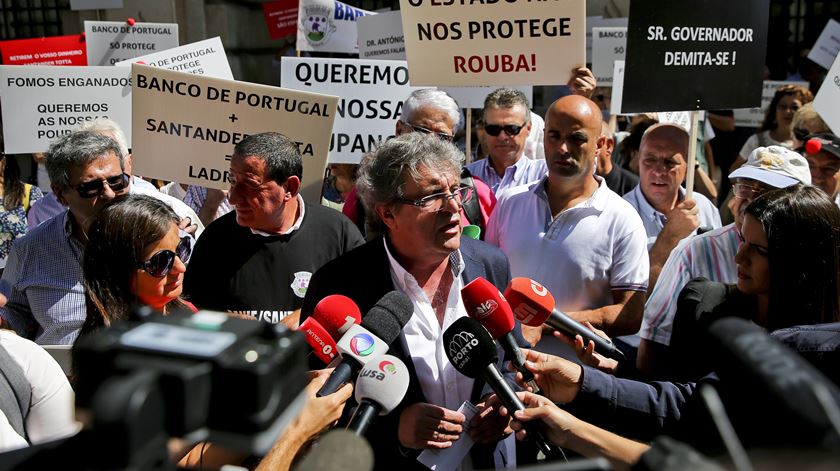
209, 203
629, 146
571, 233
823, 154
17, 198
806, 121
619, 179
258, 260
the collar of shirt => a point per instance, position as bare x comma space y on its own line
294, 227
597, 201
644, 207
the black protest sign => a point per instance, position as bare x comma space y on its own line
695, 54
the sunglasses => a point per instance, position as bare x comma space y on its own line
159, 264
440, 135
509, 129
94, 188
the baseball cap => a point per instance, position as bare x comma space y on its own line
823, 141
775, 166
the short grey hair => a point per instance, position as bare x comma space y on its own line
108, 127
280, 154
78, 149
507, 98
434, 98
382, 172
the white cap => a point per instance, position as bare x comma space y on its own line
775, 166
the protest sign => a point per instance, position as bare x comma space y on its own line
109, 42
201, 58
753, 117
41, 103
55, 50
827, 45
185, 126
593, 22
372, 94
473, 97
608, 46
694, 55
281, 18
617, 88
381, 36
515, 42
328, 26
825, 103
95, 4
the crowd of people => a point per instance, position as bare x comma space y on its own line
598, 216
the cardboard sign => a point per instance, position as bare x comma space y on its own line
56, 50
281, 18
695, 55
372, 94
617, 89
41, 103
185, 125
95, 4
201, 58
381, 36
515, 42
109, 42
473, 97
593, 22
608, 46
753, 117
827, 98
827, 45
328, 26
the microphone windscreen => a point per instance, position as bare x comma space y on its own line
530, 301
338, 450
469, 347
388, 316
337, 313
319, 339
486, 304
383, 380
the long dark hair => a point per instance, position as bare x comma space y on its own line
803, 94
12, 186
117, 240
802, 224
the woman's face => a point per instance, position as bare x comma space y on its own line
156, 292
752, 258
787, 107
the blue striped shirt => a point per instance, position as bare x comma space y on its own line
524, 171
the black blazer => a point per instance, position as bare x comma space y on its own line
364, 275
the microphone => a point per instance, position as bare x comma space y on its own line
380, 327
319, 339
335, 451
472, 352
380, 388
533, 305
337, 313
486, 304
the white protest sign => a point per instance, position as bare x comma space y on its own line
201, 58
618, 88
827, 45
608, 46
825, 103
328, 26
372, 94
753, 117
593, 22
473, 97
185, 125
109, 42
516, 42
381, 36
41, 103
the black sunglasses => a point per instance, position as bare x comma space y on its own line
441, 135
509, 129
95, 187
159, 264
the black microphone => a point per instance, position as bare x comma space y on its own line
370, 339
380, 388
472, 352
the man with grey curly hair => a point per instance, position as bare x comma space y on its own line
412, 185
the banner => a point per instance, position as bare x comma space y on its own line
608, 46
328, 26
281, 18
827, 45
695, 55
41, 103
753, 117
109, 42
381, 36
513, 42
55, 50
186, 125
372, 95
593, 22
827, 98
201, 58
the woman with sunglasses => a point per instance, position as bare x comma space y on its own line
135, 254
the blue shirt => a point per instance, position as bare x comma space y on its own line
524, 171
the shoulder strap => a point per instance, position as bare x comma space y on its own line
472, 209
15, 393
27, 189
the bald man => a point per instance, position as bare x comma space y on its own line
573, 234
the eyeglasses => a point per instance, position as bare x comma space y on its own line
800, 133
94, 188
159, 264
509, 129
436, 202
440, 135
748, 192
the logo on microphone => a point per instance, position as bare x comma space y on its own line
538, 289
460, 346
362, 345
389, 367
485, 309
524, 313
